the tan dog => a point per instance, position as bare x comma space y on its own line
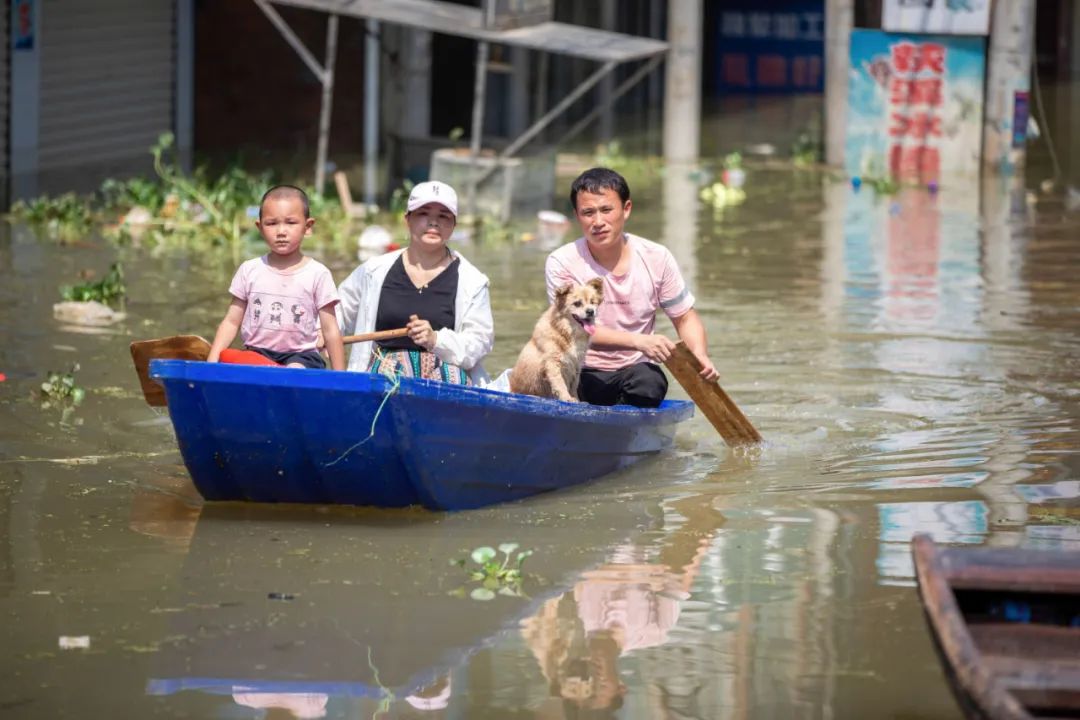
550, 363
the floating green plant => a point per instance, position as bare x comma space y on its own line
807, 150
496, 576
60, 389
109, 288
63, 217
134, 192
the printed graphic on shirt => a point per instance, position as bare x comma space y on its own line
284, 314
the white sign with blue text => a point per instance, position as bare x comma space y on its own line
942, 17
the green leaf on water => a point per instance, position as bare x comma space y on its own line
482, 555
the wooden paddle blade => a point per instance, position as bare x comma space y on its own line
177, 347
711, 399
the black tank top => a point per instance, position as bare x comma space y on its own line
399, 299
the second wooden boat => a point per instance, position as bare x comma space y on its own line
1006, 624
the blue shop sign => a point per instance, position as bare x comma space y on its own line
771, 46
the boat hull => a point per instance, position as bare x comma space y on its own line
1006, 625
283, 435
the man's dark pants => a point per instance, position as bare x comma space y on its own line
641, 385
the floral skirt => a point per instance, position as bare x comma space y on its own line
416, 363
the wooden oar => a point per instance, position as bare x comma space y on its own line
711, 399
193, 347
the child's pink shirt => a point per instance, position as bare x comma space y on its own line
652, 282
282, 306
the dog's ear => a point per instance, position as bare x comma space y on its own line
598, 285
561, 293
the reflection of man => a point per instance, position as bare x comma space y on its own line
298, 705
626, 604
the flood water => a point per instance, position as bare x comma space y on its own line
912, 363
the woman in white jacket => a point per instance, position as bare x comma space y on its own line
432, 290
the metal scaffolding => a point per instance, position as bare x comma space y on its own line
608, 48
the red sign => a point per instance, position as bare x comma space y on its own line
916, 93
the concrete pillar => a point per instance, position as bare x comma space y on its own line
1008, 72
654, 112
326, 109
416, 85
371, 111
1072, 98
839, 20
518, 115
681, 205
682, 96
606, 127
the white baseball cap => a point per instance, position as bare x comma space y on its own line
433, 192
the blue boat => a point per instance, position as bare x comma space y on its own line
270, 434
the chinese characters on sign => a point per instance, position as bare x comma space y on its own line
22, 25
915, 106
915, 98
762, 50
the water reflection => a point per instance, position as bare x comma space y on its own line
947, 522
312, 611
929, 291
629, 603
297, 705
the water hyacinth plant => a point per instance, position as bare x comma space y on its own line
60, 388
60, 391
496, 576
109, 288
64, 217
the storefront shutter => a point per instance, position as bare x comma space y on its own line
107, 88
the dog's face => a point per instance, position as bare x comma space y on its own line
580, 302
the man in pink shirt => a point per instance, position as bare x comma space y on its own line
640, 277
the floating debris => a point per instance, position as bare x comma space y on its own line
90, 312
280, 596
74, 642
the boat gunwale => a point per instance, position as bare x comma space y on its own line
671, 411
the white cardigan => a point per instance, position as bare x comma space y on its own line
466, 345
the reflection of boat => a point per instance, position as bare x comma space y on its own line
1006, 623
359, 603
264, 434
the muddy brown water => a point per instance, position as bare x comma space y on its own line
912, 363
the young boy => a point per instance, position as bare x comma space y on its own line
281, 299
640, 277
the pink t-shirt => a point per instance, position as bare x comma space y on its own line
282, 307
652, 282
